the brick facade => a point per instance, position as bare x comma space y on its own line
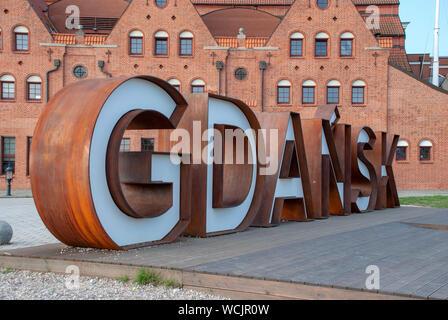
388, 90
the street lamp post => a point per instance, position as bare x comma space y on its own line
9, 176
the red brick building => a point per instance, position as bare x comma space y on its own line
275, 55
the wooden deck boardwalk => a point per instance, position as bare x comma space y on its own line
318, 259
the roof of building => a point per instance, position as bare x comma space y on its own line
227, 22
95, 16
389, 25
374, 2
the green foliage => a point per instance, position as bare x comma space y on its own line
145, 277
430, 201
123, 279
7, 270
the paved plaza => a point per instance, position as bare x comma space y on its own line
409, 246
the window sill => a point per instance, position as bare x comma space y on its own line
161, 56
297, 57
359, 105
34, 101
322, 57
137, 55
8, 101
309, 105
21, 52
347, 57
284, 105
402, 161
426, 162
186, 56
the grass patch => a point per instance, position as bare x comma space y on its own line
430, 201
123, 279
145, 277
7, 270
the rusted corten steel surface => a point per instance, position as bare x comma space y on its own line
362, 186
226, 191
60, 156
314, 155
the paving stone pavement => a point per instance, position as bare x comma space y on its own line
28, 228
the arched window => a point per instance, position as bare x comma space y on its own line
284, 92
333, 87
161, 3
308, 92
186, 43
323, 4
21, 38
425, 150
34, 88
136, 43
296, 44
175, 83
321, 44
402, 150
197, 86
8, 87
161, 43
346, 44
358, 92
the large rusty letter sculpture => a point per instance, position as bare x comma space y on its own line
241, 167
87, 193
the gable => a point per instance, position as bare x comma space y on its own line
339, 17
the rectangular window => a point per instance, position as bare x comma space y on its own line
125, 145
197, 89
34, 91
8, 90
186, 47
21, 42
346, 48
283, 95
161, 46
321, 48
308, 95
296, 47
401, 153
8, 153
28, 150
136, 45
332, 95
425, 153
147, 144
358, 95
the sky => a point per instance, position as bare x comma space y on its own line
420, 32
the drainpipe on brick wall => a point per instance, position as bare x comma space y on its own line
219, 66
263, 66
101, 66
57, 64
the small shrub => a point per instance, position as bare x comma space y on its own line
7, 270
145, 277
123, 279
